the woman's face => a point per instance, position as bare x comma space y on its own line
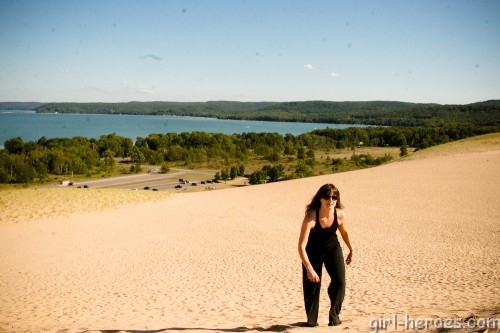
329, 201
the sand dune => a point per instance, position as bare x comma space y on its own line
425, 231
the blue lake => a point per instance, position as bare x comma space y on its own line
31, 126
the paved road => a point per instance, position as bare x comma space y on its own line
151, 180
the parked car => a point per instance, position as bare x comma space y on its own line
178, 187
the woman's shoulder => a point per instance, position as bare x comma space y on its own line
340, 213
311, 212
310, 215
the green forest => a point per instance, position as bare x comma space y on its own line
377, 113
391, 124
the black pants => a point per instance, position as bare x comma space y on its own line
334, 264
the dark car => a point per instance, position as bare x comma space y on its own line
178, 186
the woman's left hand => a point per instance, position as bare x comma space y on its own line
349, 258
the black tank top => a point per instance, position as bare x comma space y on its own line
323, 239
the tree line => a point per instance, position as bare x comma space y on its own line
28, 162
375, 113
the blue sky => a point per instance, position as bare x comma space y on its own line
426, 51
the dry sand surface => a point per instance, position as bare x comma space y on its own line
425, 231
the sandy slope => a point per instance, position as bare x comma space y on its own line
425, 231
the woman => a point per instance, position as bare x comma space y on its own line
318, 245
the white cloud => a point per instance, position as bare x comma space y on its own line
145, 90
308, 67
334, 75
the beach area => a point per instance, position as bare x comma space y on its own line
425, 233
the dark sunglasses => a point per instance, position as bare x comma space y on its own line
328, 197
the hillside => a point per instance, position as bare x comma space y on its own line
377, 113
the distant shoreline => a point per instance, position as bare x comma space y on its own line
377, 113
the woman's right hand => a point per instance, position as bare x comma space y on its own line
312, 276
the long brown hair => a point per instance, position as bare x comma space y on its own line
327, 189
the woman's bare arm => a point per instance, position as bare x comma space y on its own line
344, 232
307, 224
